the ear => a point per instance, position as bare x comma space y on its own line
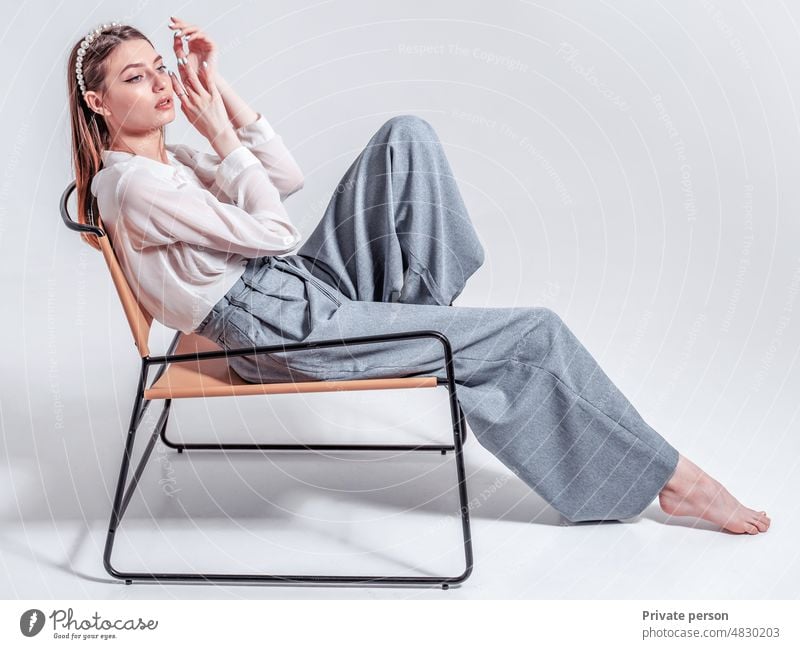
95, 103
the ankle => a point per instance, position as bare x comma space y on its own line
678, 482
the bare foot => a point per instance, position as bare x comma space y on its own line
692, 492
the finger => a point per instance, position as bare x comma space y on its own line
183, 72
180, 91
185, 75
187, 31
207, 78
184, 26
203, 77
204, 47
183, 67
210, 64
177, 44
176, 84
190, 79
190, 32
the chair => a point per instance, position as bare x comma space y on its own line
196, 367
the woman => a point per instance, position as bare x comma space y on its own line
204, 240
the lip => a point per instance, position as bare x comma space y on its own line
165, 106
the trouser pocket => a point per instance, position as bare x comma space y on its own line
323, 288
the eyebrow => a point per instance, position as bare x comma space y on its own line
137, 65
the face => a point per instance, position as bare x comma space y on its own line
136, 80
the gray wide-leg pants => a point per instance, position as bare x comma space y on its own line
394, 248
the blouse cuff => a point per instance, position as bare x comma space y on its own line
256, 133
232, 166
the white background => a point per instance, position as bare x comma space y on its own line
632, 165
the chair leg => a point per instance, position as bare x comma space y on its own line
122, 498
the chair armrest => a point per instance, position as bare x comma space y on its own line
315, 344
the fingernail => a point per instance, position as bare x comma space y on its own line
205, 65
176, 33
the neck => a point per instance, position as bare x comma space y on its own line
148, 144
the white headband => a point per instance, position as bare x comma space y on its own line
87, 40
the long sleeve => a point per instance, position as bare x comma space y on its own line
156, 213
265, 144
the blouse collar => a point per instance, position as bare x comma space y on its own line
111, 157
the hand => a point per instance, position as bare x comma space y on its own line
201, 102
201, 47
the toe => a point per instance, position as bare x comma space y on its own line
750, 528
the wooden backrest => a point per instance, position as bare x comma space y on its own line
139, 320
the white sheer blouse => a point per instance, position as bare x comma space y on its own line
183, 231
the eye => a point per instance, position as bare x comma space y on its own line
163, 65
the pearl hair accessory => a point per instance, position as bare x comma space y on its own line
87, 40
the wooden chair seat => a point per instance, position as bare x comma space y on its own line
215, 378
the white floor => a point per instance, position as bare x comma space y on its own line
376, 512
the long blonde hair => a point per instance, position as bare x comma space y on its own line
90, 133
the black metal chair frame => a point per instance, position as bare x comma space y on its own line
141, 403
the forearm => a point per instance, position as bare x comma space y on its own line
239, 111
225, 142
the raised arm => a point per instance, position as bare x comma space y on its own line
264, 143
252, 128
155, 213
